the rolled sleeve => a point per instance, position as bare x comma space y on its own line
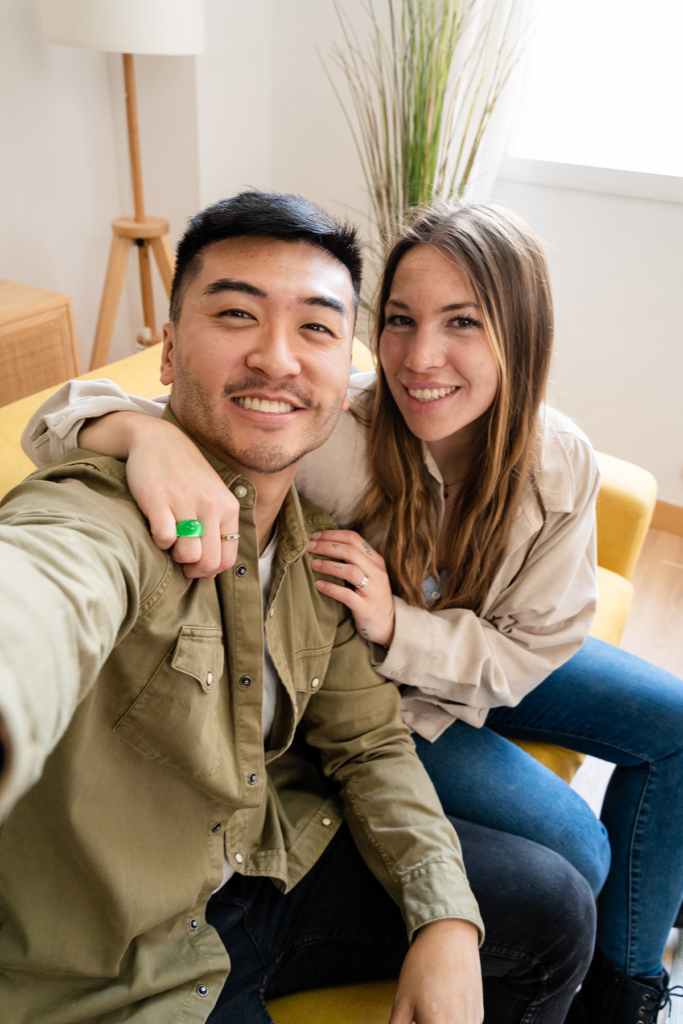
52, 431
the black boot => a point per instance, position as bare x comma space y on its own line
608, 996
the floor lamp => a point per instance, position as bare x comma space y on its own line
171, 27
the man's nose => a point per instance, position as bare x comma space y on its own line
425, 351
275, 353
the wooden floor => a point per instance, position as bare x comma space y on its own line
654, 630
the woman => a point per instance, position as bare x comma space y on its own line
448, 467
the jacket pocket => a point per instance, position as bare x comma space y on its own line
174, 719
308, 675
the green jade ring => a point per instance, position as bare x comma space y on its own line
189, 528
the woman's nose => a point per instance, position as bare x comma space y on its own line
425, 351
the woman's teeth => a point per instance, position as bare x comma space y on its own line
263, 405
425, 395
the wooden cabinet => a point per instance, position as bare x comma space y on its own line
38, 346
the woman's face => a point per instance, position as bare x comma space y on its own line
436, 357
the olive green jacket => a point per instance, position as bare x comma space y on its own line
136, 753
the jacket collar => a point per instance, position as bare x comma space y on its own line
292, 535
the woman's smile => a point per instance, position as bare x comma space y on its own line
430, 398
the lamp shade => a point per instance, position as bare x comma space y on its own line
126, 26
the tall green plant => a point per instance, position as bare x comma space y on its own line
422, 95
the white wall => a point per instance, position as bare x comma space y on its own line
617, 270
64, 170
234, 99
315, 154
58, 180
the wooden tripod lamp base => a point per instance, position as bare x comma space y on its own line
141, 231
151, 233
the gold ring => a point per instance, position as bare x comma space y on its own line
230, 536
362, 584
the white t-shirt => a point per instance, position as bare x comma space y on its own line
266, 568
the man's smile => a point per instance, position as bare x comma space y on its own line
272, 406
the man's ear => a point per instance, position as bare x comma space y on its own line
168, 355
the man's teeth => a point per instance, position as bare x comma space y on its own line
425, 395
263, 405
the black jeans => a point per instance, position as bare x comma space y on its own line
338, 925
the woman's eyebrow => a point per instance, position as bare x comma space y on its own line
459, 305
444, 309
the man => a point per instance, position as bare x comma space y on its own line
173, 746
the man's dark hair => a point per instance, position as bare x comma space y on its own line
275, 215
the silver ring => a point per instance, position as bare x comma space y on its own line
230, 536
362, 584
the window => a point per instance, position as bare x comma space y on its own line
603, 86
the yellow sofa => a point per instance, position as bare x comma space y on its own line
625, 505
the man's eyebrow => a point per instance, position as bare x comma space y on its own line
227, 284
327, 303
444, 309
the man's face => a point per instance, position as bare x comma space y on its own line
260, 358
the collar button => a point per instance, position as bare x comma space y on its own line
241, 491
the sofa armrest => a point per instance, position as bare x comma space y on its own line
626, 502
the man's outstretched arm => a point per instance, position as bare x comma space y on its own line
69, 584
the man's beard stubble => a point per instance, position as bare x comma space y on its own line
194, 409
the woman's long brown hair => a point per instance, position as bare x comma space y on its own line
508, 272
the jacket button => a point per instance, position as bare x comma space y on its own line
252, 778
327, 822
209, 678
241, 491
315, 682
239, 858
216, 827
202, 990
245, 681
271, 613
194, 924
241, 570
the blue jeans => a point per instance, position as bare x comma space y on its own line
614, 706
338, 925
